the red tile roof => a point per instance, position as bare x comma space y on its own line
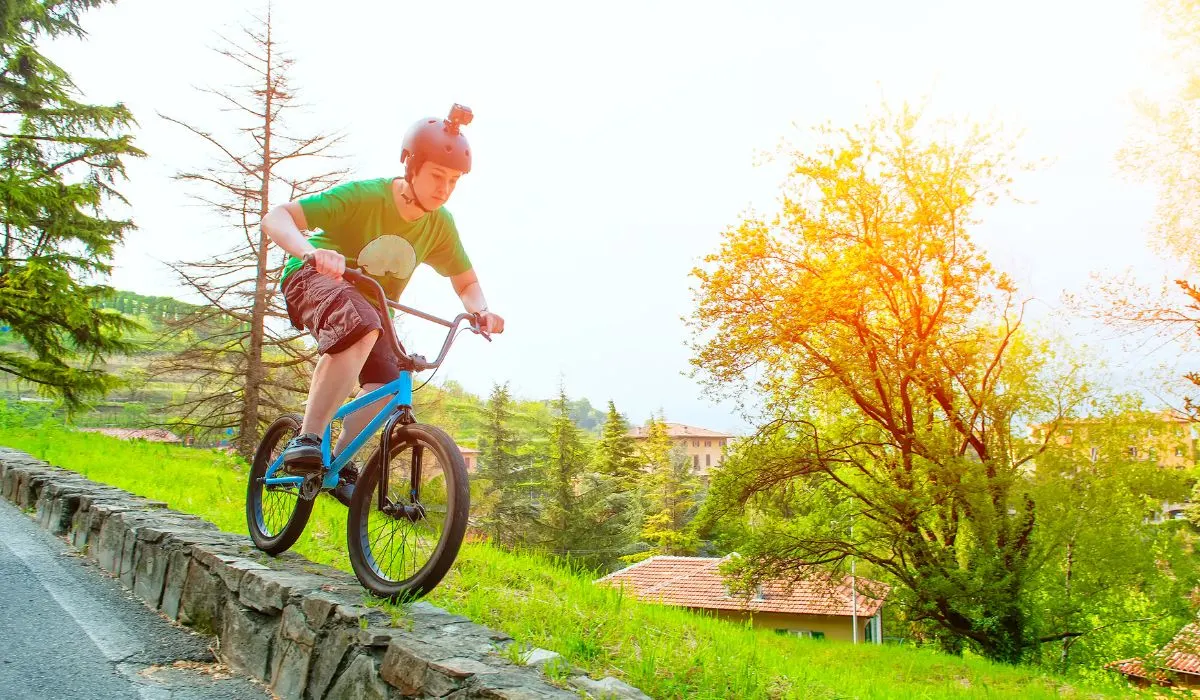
1180, 655
679, 430
696, 582
151, 434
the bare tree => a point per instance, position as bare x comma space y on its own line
243, 358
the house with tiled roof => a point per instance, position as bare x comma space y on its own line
148, 434
706, 448
1176, 664
848, 609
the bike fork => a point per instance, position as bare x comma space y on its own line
403, 417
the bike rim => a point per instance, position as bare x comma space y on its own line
277, 502
403, 539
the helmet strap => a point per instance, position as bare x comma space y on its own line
411, 197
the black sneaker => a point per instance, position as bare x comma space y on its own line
347, 478
302, 456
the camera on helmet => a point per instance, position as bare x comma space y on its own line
459, 116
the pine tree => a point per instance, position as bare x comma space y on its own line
671, 490
587, 518
507, 508
616, 453
59, 160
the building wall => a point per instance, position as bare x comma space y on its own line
705, 453
833, 626
1165, 441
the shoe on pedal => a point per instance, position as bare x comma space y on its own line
347, 478
302, 455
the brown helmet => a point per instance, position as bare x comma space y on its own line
439, 141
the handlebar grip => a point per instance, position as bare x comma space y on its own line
356, 274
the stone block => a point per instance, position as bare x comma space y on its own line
178, 562
608, 688
149, 572
332, 646
203, 598
246, 639
360, 681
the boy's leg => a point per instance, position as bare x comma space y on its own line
346, 327
334, 378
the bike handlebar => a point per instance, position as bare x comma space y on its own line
418, 361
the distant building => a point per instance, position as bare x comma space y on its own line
148, 434
1176, 664
706, 448
1165, 438
471, 458
821, 608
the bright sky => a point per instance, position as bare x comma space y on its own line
614, 141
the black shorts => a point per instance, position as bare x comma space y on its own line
338, 315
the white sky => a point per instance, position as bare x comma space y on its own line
613, 142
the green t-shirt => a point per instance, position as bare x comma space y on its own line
360, 221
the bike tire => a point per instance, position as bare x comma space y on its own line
269, 537
454, 492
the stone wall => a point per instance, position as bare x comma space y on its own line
300, 627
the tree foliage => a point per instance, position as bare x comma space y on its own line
616, 454
670, 492
586, 516
61, 159
507, 508
892, 364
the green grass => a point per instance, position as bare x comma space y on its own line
667, 652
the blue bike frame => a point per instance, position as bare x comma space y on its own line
401, 392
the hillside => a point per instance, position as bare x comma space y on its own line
667, 652
146, 401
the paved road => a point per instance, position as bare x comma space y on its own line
69, 630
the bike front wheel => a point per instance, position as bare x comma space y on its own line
403, 539
275, 514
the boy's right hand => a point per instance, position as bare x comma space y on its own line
328, 262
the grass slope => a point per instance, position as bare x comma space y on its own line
669, 653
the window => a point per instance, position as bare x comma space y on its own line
695, 443
708, 443
708, 460
802, 633
695, 461
722, 442
1133, 452
1178, 451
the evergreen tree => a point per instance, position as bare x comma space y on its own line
587, 517
616, 453
671, 494
507, 506
59, 159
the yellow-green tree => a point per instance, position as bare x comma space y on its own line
890, 359
670, 494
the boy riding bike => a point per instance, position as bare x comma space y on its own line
386, 227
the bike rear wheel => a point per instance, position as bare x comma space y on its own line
275, 515
403, 550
